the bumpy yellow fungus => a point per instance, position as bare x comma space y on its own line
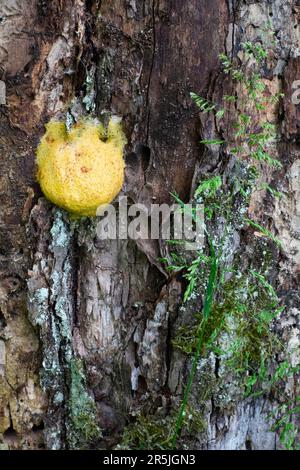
81, 169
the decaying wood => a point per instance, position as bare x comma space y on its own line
67, 295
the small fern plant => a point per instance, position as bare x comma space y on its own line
251, 139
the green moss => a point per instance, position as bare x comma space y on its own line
187, 335
194, 423
243, 314
155, 432
234, 341
83, 430
238, 329
147, 432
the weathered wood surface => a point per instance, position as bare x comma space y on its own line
64, 292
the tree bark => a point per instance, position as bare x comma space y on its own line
79, 315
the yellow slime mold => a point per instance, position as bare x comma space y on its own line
81, 169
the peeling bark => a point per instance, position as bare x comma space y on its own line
67, 296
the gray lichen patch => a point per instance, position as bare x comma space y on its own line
52, 311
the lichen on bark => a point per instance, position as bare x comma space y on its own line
107, 307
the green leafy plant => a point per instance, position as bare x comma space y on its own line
238, 304
209, 296
246, 298
209, 187
263, 230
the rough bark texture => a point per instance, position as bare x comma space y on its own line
68, 298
